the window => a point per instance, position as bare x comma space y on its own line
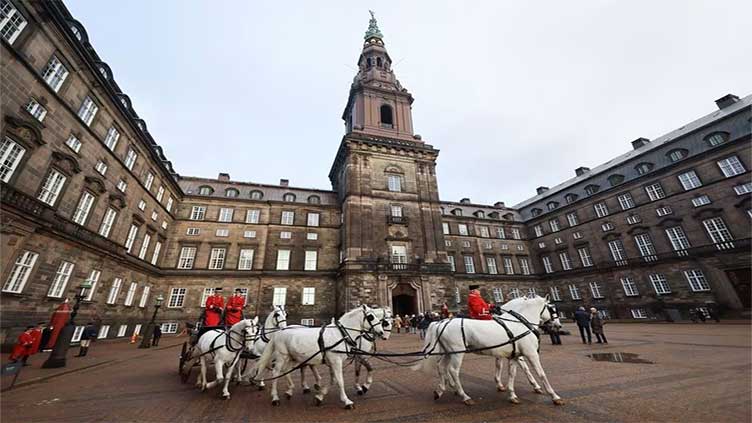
601, 209
112, 137
718, 232
572, 219
205, 190
541, 245
311, 260
164, 224
52, 187
11, 21
217, 258
655, 191
289, 198
312, 236
639, 313
462, 229
285, 235
595, 289
177, 298
538, 230
554, 224
500, 233
225, 214
309, 296
487, 245
676, 155
660, 284
137, 329
617, 252
524, 265
101, 167
193, 231
577, 235
633, 219
313, 218
697, 281
743, 189
452, 264
678, 239
252, 216
445, 228
198, 213
307, 322
88, 110
574, 292
73, 143
514, 293
20, 273
552, 205
10, 155
131, 293
689, 180
547, 264
516, 233
280, 296
717, 138
103, 332
585, 258
287, 217
121, 330
245, 260
731, 166
498, 295
77, 334
144, 296
394, 183
122, 185
701, 201
531, 292
469, 264
626, 201
283, 259
170, 327
555, 294
256, 195
566, 263
83, 208
114, 291
558, 241
132, 232
520, 247
154, 215
630, 287
144, 247
187, 256
169, 203
107, 222
149, 180
160, 193
607, 227
447, 243
644, 168
504, 246
231, 193
130, 158
645, 246
36, 110
385, 113
663, 211
483, 231
314, 199
570, 198
92, 279
208, 292
491, 265
592, 189
249, 234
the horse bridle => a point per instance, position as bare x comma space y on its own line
246, 338
277, 322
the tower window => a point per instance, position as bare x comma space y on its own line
387, 120
378, 62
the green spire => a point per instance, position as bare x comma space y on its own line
373, 28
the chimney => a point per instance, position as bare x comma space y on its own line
726, 101
639, 142
284, 182
223, 176
581, 170
499, 205
465, 201
541, 190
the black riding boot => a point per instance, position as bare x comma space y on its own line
81, 352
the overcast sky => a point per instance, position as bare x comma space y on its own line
514, 94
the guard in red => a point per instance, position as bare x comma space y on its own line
214, 306
477, 307
36, 335
234, 310
22, 349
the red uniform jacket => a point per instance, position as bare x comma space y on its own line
36, 335
478, 308
214, 306
234, 311
23, 346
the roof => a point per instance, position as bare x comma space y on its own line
190, 186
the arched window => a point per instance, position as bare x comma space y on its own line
288, 197
677, 154
717, 138
256, 195
314, 199
231, 192
368, 62
387, 120
378, 62
615, 180
644, 168
205, 190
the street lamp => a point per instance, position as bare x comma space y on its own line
59, 351
146, 340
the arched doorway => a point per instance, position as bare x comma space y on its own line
404, 300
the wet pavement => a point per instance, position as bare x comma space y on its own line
698, 373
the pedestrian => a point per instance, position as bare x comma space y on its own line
554, 329
89, 333
46, 334
414, 324
156, 336
425, 321
444, 311
713, 313
22, 349
597, 324
583, 323
234, 310
406, 323
398, 323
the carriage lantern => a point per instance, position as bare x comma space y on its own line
60, 350
146, 340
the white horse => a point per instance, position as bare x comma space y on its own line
224, 347
367, 343
314, 346
487, 337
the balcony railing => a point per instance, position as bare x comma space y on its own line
396, 220
385, 266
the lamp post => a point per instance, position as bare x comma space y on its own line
146, 340
60, 350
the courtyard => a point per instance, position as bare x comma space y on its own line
684, 372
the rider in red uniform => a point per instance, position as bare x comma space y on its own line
214, 306
234, 310
477, 307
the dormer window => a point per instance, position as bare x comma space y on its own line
677, 154
256, 195
570, 198
536, 212
494, 215
592, 189
480, 214
457, 212
387, 118
615, 180
205, 190
717, 138
314, 199
289, 198
644, 168
551, 205
508, 216
231, 193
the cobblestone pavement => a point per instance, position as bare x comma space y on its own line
699, 373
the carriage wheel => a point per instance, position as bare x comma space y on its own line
185, 366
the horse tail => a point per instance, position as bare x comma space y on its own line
265, 359
429, 362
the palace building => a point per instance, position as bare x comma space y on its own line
88, 194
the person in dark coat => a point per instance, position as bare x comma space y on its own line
583, 323
597, 324
157, 335
46, 334
425, 320
89, 333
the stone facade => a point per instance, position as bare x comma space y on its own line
381, 235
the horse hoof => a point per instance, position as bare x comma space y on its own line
365, 389
225, 397
288, 395
275, 402
514, 400
317, 402
559, 401
538, 390
436, 395
469, 402
359, 392
501, 388
307, 390
349, 406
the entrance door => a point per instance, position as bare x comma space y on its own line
741, 279
404, 300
